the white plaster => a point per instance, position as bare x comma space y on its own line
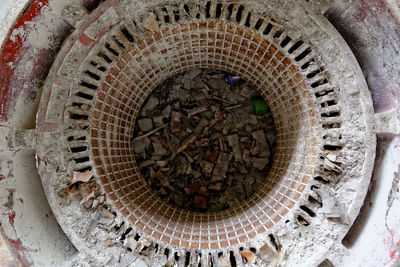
372, 245
9, 10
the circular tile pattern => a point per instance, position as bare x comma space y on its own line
113, 62
203, 45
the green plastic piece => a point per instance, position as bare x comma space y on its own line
259, 106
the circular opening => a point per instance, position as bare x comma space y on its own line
170, 51
204, 140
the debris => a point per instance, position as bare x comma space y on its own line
150, 133
139, 147
232, 79
159, 149
146, 163
178, 199
195, 111
167, 111
247, 91
220, 168
189, 158
207, 151
158, 121
259, 106
191, 138
233, 141
246, 156
217, 84
216, 187
107, 242
106, 213
83, 177
86, 192
261, 147
200, 202
330, 205
248, 255
206, 166
266, 253
145, 124
259, 163
151, 104
332, 166
233, 107
212, 155
270, 21
149, 22
67, 191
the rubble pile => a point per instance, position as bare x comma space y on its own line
199, 144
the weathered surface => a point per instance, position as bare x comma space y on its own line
300, 23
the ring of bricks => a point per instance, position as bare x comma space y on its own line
168, 52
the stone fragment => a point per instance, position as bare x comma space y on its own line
159, 149
178, 199
233, 141
212, 155
266, 253
202, 190
234, 97
229, 180
107, 242
187, 84
216, 187
243, 117
106, 213
252, 119
167, 111
248, 255
145, 124
176, 124
196, 174
261, 147
249, 189
220, 168
242, 169
158, 121
151, 104
83, 177
161, 163
198, 96
246, 91
149, 22
331, 157
146, 163
332, 166
271, 137
259, 163
200, 202
139, 147
87, 193
217, 84
246, 156
188, 157
191, 74
330, 205
206, 166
